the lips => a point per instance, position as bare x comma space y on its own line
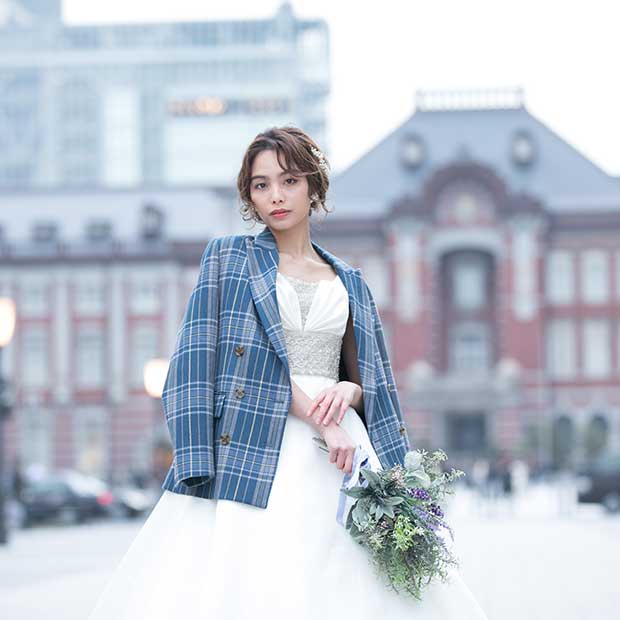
280, 211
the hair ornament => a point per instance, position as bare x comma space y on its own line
322, 163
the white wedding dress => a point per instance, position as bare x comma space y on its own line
204, 559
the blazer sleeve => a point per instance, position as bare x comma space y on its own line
385, 359
187, 396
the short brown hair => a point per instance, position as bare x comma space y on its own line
296, 146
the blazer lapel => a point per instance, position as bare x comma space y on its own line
263, 259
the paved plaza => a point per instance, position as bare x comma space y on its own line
540, 556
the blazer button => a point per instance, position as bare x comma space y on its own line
225, 439
239, 349
402, 430
240, 392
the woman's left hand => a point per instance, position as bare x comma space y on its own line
334, 400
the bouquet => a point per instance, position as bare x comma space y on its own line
395, 514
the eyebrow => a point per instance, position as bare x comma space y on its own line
262, 176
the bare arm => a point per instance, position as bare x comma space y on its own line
340, 446
300, 404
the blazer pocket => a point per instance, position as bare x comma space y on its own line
219, 401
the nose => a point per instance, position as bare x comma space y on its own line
276, 195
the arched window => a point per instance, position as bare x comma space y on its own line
563, 441
596, 436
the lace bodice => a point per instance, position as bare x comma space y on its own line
314, 318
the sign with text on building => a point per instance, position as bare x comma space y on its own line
205, 136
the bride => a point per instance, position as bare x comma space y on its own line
281, 343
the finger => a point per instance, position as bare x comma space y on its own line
320, 413
313, 405
343, 410
315, 402
332, 455
324, 408
332, 410
340, 461
348, 466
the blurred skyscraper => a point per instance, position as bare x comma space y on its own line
132, 105
119, 148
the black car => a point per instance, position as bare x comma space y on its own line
599, 482
65, 496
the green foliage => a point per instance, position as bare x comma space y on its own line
397, 518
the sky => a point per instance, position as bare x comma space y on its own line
565, 55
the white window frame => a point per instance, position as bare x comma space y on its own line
461, 363
595, 276
89, 364
35, 371
561, 349
138, 358
596, 348
560, 277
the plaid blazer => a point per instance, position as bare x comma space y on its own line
227, 393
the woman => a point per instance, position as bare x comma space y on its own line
281, 343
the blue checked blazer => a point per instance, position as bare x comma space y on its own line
227, 393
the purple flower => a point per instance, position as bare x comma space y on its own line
420, 494
427, 519
436, 510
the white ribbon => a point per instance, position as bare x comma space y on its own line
345, 502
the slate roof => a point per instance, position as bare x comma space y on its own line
562, 177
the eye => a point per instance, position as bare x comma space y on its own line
292, 179
256, 186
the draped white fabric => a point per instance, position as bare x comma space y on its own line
207, 559
330, 305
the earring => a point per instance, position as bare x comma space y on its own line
253, 211
314, 202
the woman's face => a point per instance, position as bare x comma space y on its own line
271, 188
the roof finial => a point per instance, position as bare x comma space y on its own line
472, 99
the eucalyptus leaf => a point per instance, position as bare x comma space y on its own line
360, 516
372, 477
349, 520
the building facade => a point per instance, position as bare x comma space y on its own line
120, 149
135, 105
493, 247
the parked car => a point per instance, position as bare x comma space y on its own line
131, 502
66, 496
599, 482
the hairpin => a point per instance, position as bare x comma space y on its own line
322, 163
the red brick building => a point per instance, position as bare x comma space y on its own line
493, 248
491, 245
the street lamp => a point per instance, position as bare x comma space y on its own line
155, 372
7, 327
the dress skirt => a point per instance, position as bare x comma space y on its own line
207, 559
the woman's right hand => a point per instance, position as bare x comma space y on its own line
341, 446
